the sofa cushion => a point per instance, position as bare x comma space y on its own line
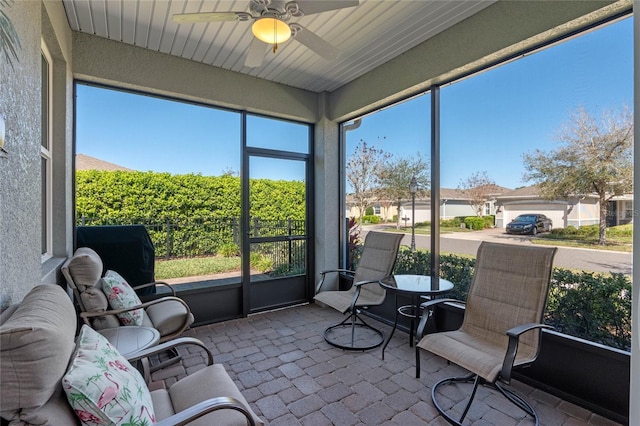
168, 316
54, 412
83, 269
102, 387
121, 296
35, 345
197, 387
94, 300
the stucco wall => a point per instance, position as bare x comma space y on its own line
21, 266
20, 169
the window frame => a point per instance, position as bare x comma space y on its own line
46, 154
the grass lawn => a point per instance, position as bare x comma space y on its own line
612, 244
178, 268
426, 230
619, 238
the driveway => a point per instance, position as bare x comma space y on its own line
566, 257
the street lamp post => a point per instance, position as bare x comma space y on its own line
413, 188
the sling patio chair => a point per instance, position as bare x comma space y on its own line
502, 323
107, 301
377, 261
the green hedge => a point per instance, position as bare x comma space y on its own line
592, 306
152, 195
188, 215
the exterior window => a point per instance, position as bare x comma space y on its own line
45, 156
487, 209
376, 210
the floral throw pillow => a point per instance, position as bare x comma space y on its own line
102, 387
120, 296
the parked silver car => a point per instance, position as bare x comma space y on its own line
530, 223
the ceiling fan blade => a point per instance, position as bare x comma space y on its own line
308, 7
255, 55
313, 42
192, 18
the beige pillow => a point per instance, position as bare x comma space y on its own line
84, 268
36, 343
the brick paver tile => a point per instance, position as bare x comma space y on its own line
316, 419
291, 370
376, 413
307, 385
335, 393
274, 386
307, 405
339, 414
271, 407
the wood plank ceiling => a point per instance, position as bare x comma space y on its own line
367, 35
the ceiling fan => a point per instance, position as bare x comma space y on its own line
271, 25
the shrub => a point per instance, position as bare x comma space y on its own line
261, 262
371, 219
620, 231
489, 221
592, 306
474, 222
452, 223
369, 211
229, 250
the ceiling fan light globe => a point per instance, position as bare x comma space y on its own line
271, 30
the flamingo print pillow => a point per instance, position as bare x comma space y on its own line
102, 387
122, 296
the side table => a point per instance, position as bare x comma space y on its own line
414, 286
130, 339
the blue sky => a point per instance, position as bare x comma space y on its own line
488, 120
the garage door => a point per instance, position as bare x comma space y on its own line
555, 212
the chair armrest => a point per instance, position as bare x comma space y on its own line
171, 344
426, 314
205, 407
324, 273
160, 283
514, 338
88, 315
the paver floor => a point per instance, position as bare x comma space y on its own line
291, 376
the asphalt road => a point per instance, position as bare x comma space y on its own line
566, 257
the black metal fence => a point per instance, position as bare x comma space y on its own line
208, 236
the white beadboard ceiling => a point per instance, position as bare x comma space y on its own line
367, 35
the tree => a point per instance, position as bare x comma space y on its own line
477, 188
395, 178
594, 157
363, 169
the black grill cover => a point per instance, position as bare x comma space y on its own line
125, 249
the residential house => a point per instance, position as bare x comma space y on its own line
453, 203
573, 211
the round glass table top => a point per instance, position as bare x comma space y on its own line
416, 284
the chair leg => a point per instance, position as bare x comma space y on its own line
516, 399
519, 401
350, 324
468, 378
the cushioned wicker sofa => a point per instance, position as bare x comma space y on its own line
51, 377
